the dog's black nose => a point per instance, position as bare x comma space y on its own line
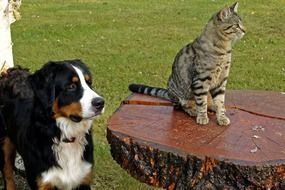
98, 103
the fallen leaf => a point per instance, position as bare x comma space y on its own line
256, 136
258, 128
254, 150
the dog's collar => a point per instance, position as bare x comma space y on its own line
71, 140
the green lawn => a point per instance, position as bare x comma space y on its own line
125, 41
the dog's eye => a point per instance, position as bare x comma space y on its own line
89, 82
71, 87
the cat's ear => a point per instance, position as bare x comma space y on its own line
224, 13
234, 7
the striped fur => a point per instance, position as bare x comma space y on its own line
152, 91
201, 68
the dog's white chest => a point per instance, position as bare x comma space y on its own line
72, 168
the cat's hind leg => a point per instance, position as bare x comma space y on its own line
189, 107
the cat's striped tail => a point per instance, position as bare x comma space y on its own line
148, 90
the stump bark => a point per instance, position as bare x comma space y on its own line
164, 147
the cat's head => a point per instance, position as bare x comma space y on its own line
229, 23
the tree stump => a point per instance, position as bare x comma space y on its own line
165, 148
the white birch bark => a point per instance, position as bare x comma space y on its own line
8, 15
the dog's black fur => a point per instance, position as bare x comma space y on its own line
28, 122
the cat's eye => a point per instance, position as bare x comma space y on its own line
71, 87
227, 28
239, 26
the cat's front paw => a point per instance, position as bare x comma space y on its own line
202, 120
223, 120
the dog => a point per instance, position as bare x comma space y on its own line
47, 117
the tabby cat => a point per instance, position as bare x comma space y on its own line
201, 68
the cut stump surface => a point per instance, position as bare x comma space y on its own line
164, 147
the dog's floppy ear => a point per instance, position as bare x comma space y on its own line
42, 82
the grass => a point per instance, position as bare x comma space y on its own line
125, 41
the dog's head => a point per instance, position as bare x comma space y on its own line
64, 88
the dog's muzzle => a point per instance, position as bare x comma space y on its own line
98, 105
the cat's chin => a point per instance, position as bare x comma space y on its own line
237, 39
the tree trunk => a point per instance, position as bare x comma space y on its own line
8, 14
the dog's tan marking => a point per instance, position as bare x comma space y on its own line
87, 179
44, 186
75, 79
9, 151
88, 78
66, 111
